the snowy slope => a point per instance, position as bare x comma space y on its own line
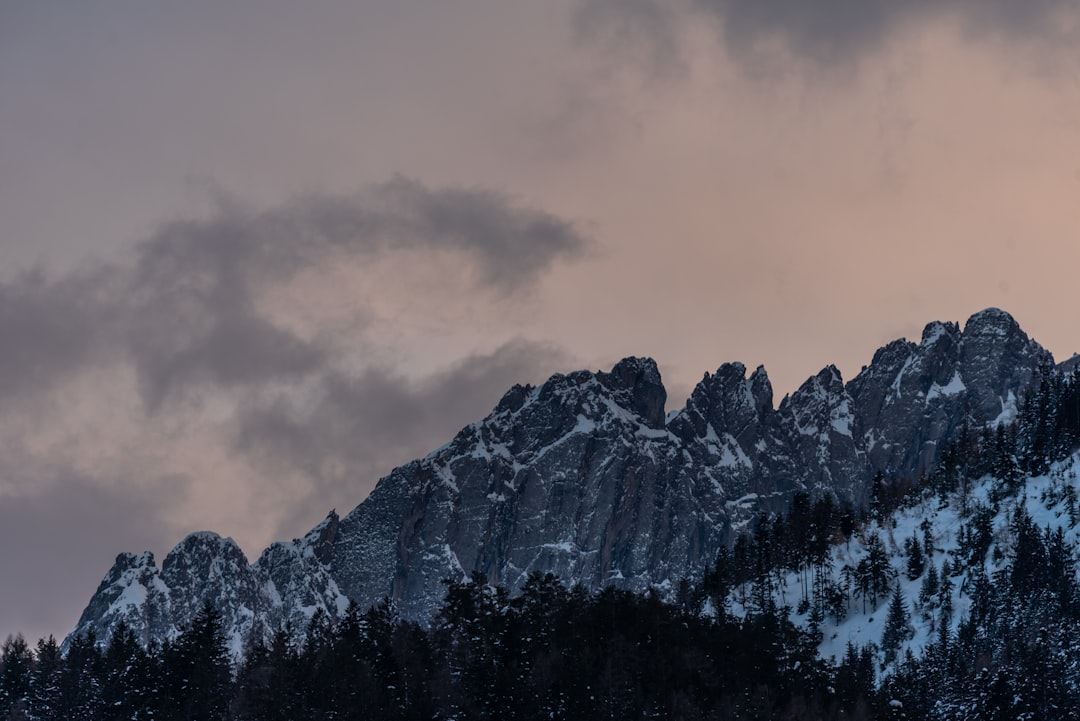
1047, 500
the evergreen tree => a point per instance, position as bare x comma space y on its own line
718, 581
16, 670
897, 624
927, 529
916, 563
1028, 570
199, 670
126, 692
80, 680
45, 685
873, 572
877, 492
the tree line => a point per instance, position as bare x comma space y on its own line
550, 652
558, 652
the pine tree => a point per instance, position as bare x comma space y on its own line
16, 669
927, 529
916, 563
897, 624
199, 669
125, 683
80, 680
1028, 570
717, 582
877, 570
45, 686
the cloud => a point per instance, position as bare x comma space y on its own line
196, 283
212, 377
358, 426
828, 33
647, 31
51, 327
186, 313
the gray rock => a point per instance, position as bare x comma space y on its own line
585, 477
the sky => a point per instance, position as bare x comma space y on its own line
254, 255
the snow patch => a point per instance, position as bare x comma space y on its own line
1008, 411
955, 386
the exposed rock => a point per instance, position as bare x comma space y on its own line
585, 477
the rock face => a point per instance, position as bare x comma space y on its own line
585, 476
912, 397
287, 584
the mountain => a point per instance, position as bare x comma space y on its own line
282, 589
586, 477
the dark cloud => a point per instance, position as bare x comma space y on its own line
196, 313
185, 313
832, 31
51, 327
195, 318
360, 426
828, 32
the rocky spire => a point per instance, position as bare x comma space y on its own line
585, 477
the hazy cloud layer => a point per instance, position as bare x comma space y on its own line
767, 217
825, 32
347, 427
185, 312
50, 328
175, 388
195, 317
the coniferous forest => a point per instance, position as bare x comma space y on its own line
721, 647
550, 652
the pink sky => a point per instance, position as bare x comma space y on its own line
551, 186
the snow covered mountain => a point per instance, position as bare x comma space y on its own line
282, 589
586, 477
969, 546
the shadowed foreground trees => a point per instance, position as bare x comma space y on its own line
548, 653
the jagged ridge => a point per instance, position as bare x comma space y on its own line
584, 476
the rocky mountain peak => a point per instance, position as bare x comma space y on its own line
936, 331
821, 405
762, 391
991, 322
321, 538
513, 399
997, 358
585, 477
637, 386
132, 593
889, 357
204, 553
727, 401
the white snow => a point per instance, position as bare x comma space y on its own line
1008, 411
133, 596
1044, 499
562, 546
841, 418
933, 332
952, 388
900, 376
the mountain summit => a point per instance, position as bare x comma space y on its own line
585, 477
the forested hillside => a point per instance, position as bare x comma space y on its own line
951, 596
